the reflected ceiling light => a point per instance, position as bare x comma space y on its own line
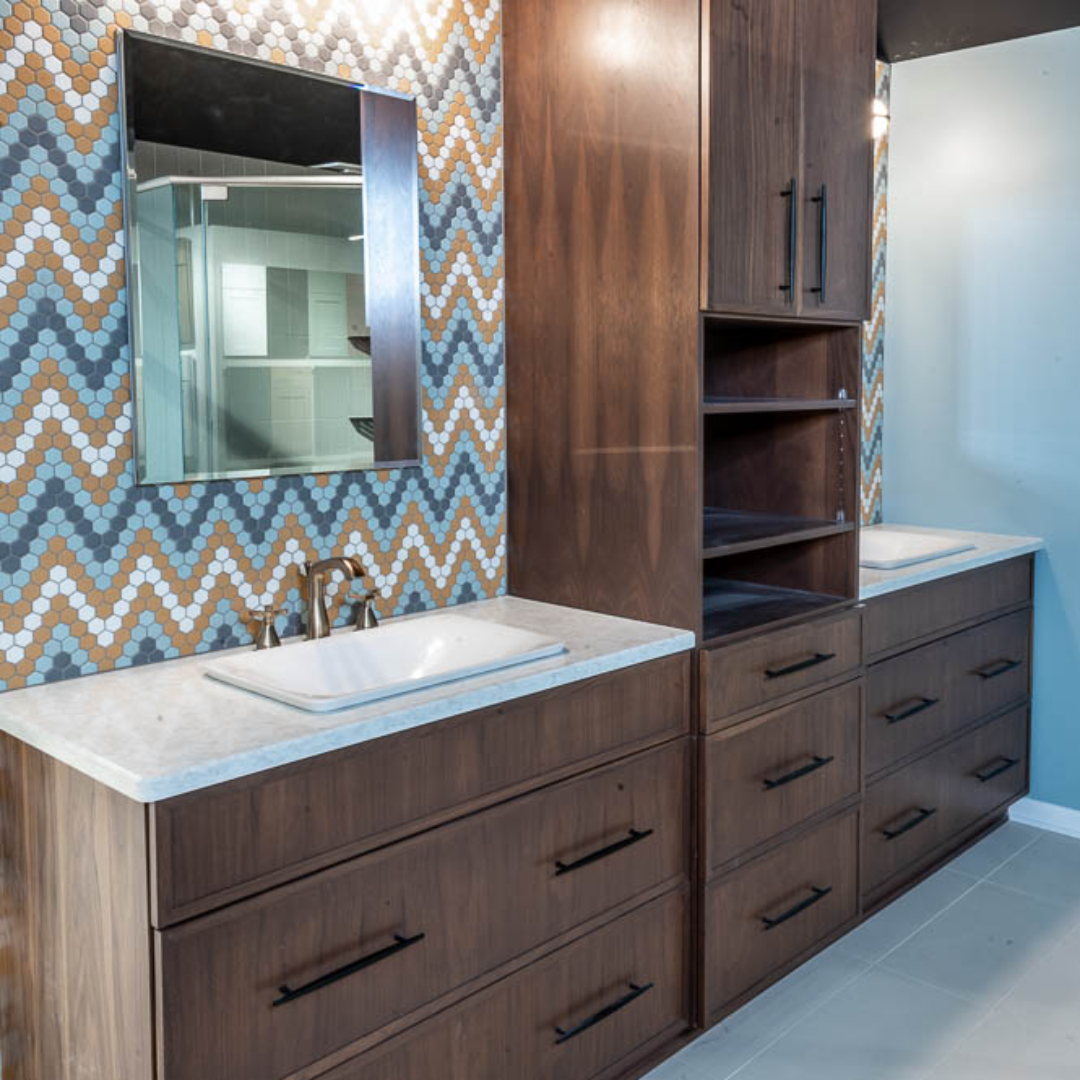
356, 237
881, 119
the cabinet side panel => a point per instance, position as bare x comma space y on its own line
75, 998
602, 170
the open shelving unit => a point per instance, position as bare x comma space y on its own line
780, 472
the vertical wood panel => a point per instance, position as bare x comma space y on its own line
602, 145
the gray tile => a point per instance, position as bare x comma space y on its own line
1048, 869
988, 855
733, 1042
1034, 1033
982, 945
883, 1026
888, 928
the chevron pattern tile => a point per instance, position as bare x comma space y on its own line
97, 573
874, 330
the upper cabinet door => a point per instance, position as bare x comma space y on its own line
838, 40
752, 200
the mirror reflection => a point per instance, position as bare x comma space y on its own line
261, 344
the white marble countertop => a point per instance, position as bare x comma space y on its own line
989, 548
155, 732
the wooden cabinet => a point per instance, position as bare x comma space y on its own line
789, 157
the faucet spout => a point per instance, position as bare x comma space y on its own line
315, 573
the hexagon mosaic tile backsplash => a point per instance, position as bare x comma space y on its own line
97, 573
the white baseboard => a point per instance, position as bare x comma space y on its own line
1044, 815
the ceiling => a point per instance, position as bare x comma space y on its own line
911, 28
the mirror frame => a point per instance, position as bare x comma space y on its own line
390, 161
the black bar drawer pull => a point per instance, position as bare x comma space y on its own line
917, 706
823, 227
999, 667
812, 767
816, 896
922, 815
635, 836
792, 195
400, 944
566, 1034
987, 772
801, 665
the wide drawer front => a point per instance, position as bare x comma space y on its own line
922, 696
577, 1014
278, 982
991, 666
741, 677
912, 615
771, 773
922, 807
219, 845
776, 908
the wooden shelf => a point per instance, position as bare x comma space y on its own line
731, 607
728, 406
732, 532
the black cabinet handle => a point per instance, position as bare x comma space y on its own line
987, 773
823, 228
998, 667
801, 665
922, 815
818, 763
400, 944
792, 195
919, 705
566, 1034
635, 836
816, 896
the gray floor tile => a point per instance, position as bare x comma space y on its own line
1048, 869
982, 859
881, 1027
1033, 1034
982, 945
887, 929
734, 1041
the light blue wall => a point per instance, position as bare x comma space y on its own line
982, 374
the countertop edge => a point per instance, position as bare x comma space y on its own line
923, 574
249, 763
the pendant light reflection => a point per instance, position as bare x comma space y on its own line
881, 119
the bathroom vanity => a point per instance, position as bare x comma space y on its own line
206, 884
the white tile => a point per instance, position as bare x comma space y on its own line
902, 918
733, 1042
987, 856
1048, 869
982, 945
1033, 1034
883, 1026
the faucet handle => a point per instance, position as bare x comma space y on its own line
366, 617
267, 636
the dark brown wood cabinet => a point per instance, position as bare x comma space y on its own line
789, 157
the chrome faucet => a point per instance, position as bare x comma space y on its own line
318, 622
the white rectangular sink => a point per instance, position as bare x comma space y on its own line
893, 549
355, 668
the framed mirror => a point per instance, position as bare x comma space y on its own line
271, 218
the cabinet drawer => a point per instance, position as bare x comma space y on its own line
922, 807
913, 615
216, 846
536, 1023
369, 941
774, 909
771, 773
991, 668
908, 705
750, 674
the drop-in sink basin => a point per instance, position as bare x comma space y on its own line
893, 549
355, 668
